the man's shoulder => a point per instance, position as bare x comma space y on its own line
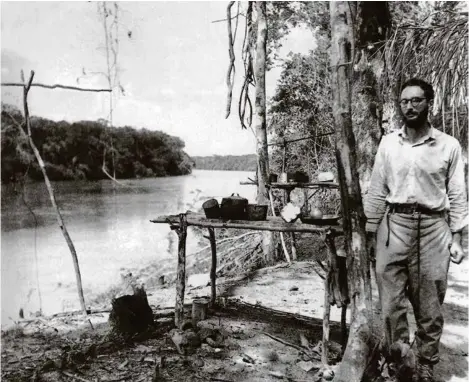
445, 138
390, 138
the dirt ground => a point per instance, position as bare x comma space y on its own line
67, 348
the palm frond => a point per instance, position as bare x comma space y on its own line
437, 53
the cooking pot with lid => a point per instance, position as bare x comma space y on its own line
234, 208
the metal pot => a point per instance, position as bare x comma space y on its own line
301, 177
233, 207
257, 212
211, 209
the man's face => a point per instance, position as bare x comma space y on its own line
414, 106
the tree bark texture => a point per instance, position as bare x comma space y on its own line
50, 190
181, 271
260, 124
372, 22
358, 346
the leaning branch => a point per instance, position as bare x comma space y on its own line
56, 86
232, 18
60, 221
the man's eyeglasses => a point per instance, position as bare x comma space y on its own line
413, 101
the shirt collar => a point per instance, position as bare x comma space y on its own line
430, 136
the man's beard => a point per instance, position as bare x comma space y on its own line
417, 122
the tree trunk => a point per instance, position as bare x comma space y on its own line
358, 347
372, 23
60, 220
260, 125
181, 271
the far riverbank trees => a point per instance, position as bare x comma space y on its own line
73, 151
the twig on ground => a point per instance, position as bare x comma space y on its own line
284, 342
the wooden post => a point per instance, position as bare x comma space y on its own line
325, 323
181, 271
293, 247
213, 269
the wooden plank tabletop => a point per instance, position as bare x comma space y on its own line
304, 185
271, 224
291, 185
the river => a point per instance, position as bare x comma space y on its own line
110, 229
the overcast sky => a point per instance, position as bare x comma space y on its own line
173, 68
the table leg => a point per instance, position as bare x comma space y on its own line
181, 271
325, 324
306, 201
213, 269
293, 246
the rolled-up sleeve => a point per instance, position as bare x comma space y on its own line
375, 199
456, 189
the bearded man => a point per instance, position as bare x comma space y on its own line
415, 208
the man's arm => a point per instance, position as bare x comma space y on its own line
456, 189
375, 199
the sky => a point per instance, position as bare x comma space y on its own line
173, 68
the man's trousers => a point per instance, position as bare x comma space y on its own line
412, 261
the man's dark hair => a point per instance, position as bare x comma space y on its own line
425, 86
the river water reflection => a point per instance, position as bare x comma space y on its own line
109, 227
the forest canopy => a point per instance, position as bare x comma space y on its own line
76, 150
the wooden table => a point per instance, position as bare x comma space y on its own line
180, 222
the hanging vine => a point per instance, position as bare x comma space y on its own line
245, 108
110, 20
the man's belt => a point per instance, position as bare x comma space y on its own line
411, 209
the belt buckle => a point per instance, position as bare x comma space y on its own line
414, 208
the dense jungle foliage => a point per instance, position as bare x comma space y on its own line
423, 40
226, 162
76, 150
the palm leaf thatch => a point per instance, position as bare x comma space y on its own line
436, 52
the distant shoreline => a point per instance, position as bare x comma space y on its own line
226, 162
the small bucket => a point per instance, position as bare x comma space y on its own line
211, 209
199, 310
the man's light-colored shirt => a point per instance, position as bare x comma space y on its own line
429, 172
